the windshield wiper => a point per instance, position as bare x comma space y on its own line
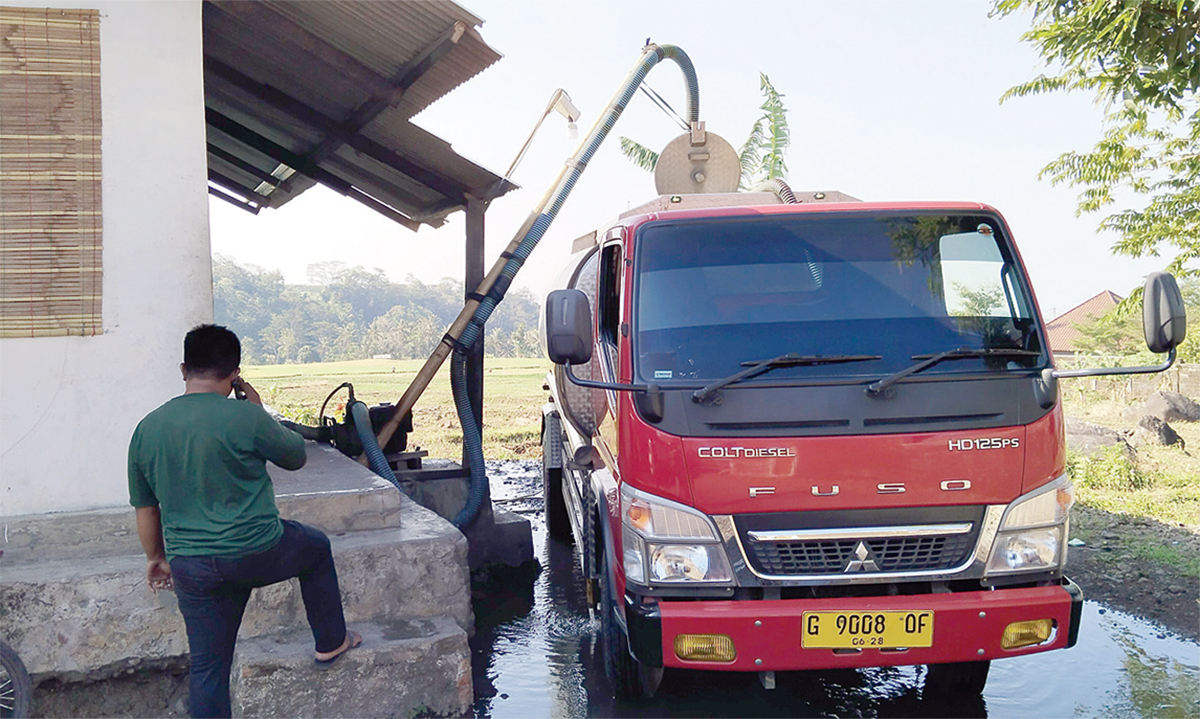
878, 387
791, 359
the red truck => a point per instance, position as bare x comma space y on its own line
816, 435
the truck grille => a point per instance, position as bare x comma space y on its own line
892, 554
851, 543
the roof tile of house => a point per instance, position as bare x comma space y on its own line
1061, 330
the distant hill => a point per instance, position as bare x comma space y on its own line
355, 313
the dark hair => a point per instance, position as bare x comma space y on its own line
211, 350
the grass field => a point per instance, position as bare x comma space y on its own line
1158, 482
512, 405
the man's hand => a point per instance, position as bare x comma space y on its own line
248, 389
158, 569
158, 574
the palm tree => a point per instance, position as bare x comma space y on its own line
761, 156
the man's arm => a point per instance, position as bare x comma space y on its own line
158, 569
273, 441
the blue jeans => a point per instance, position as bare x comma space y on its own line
213, 592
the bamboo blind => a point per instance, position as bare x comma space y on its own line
50, 224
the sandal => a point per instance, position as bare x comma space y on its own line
353, 639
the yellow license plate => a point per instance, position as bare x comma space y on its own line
867, 630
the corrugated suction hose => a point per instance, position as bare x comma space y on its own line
366, 435
541, 218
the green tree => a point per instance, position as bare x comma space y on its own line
525, 341
761, 156
369, 294
1113, 334
498, 343
324, 273
245, 299
1142, 59
404, 332
351, 313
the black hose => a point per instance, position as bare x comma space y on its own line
316, 434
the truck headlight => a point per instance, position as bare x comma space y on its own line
1033, 531
669, 543
688, 562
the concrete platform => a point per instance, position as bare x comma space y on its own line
403, 668
496, 537
74, 604
331, 492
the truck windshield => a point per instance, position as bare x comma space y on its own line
711, 294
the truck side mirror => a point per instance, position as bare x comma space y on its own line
1164, 319
568, 327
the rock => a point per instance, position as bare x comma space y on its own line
1152, 430
1171, 407
1089, 438
403, 668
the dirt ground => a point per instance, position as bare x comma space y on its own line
1109, 573
152, 693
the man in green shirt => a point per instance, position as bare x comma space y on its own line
207, 519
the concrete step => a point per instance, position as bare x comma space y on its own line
403, 668
335, 493
91, 618
331, 491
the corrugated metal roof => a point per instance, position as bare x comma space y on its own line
303, 92
384, 35
1061, 331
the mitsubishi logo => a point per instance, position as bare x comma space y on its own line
865, 561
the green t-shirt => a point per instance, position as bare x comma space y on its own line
202, 459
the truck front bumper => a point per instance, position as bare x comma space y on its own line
767, 634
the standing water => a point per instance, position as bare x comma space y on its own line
536, 654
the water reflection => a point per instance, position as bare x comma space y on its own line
535, 654
1160, 686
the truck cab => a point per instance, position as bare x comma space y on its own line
808, 436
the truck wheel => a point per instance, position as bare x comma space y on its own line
957, 678
557, 522
15, 688
631, 679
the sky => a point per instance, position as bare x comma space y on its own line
886, 101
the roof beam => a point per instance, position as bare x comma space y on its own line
221, 194
304, 166
231, 184
276, 152
244, 166
334, 129
404, 79
300, 164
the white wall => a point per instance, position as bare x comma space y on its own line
68, 405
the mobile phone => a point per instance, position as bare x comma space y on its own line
239, 391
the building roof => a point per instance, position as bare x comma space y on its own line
1061, 330
300, 93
